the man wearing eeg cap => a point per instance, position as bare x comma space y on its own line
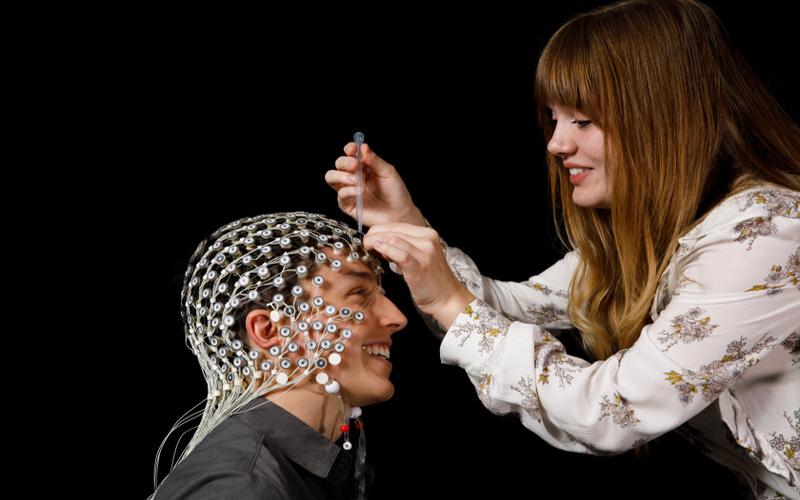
288, 320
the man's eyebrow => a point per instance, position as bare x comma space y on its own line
365, 275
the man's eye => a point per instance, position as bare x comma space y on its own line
359, 294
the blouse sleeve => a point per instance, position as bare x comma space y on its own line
735, 303
541, 300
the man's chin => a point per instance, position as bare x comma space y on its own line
374, 397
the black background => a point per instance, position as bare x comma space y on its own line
212, 118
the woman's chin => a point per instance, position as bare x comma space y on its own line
588, 201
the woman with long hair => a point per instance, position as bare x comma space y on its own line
676, 178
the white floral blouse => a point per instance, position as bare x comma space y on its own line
722, 353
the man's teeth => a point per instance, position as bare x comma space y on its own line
377, 350
576, 171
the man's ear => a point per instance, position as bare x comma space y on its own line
262, 333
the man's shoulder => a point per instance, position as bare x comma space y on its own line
222, 463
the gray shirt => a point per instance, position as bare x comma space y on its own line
263, 452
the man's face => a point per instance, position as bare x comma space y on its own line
363, 374
364, 371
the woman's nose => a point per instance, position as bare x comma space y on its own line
561, 144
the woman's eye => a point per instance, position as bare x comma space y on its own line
582, 123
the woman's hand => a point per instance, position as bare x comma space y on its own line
386, 198
418, 253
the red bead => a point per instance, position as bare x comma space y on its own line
344, 428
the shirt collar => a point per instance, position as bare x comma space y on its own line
291, 436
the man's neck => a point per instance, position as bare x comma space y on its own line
310, 403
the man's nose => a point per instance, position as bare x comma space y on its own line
390, 317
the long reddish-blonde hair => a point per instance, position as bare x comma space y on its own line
686, 124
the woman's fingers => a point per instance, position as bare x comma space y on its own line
377, 164
420, 243
346, 198
337, 179
425, 271
401, 252
346, 163
403, 228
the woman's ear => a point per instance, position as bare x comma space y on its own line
262, 333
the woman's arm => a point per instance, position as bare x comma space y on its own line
736, 305
540, 300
